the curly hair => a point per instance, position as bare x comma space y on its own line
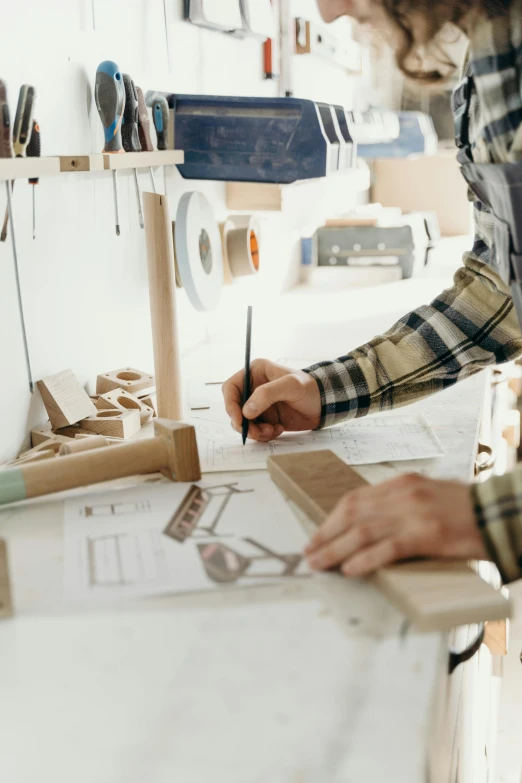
415, 50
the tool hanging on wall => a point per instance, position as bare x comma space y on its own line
160, 117
144, 130
7, 151
109, 94
129, 132
22, 128
34, 150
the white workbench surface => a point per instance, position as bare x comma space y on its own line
247, 686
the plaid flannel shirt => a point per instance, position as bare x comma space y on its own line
469, 326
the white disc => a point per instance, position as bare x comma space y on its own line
199, 251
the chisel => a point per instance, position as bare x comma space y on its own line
34, 150
144, 130
129, 131
7, 151
22, 128
109, 94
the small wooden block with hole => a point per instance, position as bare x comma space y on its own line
119, 399
151, 401
113, 423
434, 595
133, 381
65, 400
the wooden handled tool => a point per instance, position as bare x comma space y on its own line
434, 595
172, 452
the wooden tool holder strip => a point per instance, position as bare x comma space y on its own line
26, 168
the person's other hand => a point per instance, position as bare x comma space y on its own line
281, 400
410, 516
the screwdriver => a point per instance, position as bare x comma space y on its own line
34, 150
22, 128
160, 116
129, 131
144, 129
7, 151
109, 94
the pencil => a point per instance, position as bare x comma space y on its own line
246, 381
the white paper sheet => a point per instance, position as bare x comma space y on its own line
367, 441
151, 540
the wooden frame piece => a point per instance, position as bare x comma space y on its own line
434, 595
6, 602
65, 400
113, 423
127, 378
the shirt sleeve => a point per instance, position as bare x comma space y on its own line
498, 509
466, 328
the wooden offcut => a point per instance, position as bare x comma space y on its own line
113, 423
128, 378
434, 595
65, 400
119, 399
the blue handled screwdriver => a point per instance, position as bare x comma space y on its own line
109, 94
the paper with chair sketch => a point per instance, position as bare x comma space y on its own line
178, 538
388, 438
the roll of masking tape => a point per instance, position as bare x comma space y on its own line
199, 254
242, 246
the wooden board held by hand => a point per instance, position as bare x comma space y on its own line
434, 595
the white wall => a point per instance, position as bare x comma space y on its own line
85, 290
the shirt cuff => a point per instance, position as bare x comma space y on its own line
344, 391
498, 509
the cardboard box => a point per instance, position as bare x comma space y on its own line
426, 184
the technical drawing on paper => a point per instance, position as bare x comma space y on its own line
200, 513
112, 509
125, 558
384, 438
176, 538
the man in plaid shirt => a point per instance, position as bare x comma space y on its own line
468, 327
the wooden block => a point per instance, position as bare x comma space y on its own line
257, 196
64, 398
115, 423
41, 434
6, 603
127, 378
152, 402
120, 399
496, 637
76, 431
434, 595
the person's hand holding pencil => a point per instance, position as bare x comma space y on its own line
276, 400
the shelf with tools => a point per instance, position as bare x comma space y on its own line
25, 168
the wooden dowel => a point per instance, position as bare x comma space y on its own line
162, 294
